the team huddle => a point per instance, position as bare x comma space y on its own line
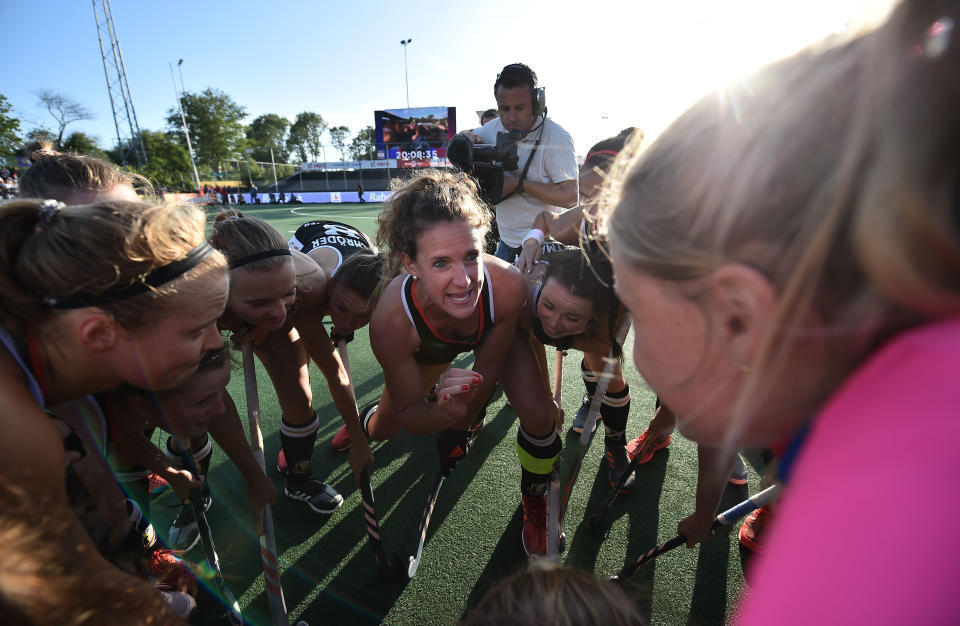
789, 274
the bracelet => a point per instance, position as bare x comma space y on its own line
431, 397
534, 233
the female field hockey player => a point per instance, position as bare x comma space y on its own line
354, 269
134, 300
277, 301
448, 298
792, 273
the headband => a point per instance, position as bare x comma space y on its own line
266, 254
142, 284
612, 153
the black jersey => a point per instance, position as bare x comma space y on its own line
341, 238
437, 350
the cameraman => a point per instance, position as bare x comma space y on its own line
546, 176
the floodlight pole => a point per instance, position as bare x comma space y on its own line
273, 162
406, 77
186, 134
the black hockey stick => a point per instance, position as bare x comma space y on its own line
727, 517
595, 525
587, 435
413, 562
209, 548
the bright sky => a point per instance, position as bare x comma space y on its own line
605, 65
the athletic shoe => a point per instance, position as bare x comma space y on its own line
182, 604
172, 571
184, 533
753, 527
318, 495
281, 462
637, 443
156, 484
534, 535
341, 441
617, 462
580, 419
738, 476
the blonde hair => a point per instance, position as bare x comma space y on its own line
419, 202
554, 595
55, 174
90, 249
836, 176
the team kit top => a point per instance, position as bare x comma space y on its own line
337, 236
435, 349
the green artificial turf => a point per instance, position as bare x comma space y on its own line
327, 564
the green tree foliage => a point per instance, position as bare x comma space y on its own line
363, 147
269, 131
64, 110
306, 135
9, 129
168, 163
338, 137
82, 143
214, 123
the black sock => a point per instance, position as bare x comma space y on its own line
297, 442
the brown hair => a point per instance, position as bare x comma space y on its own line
544, 593
237, 236
836, 176
587, 274
361, 272
55, 174
421, 201
90, 249
41, 583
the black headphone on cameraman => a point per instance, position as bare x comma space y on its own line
538, 102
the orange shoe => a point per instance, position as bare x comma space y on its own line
639, 442
156, 484
753, 526
341, 441
173, 572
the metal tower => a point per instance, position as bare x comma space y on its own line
129, 139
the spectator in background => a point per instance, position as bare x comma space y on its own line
488, 115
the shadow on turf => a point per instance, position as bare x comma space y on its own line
359, 593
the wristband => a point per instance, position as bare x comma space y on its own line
534, 233
431, 396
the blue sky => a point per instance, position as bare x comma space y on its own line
605, 65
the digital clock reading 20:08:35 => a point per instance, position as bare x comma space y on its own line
419, 154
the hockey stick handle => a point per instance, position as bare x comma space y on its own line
268, 543
605, 377
729, 516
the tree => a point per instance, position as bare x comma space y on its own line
63, 110
168, 162
213, 121
269, 131
9, 129
363, 145
81, 143
306, 135
338, 137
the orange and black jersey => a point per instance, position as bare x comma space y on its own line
435, 349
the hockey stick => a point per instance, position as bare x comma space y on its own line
553, 502
595, 525
587, 435
727, 517
268, 543
413, 562
210, 550
372, 523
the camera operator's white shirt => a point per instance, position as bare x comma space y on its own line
553, 162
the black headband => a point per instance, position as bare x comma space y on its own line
142, 284
266, 254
